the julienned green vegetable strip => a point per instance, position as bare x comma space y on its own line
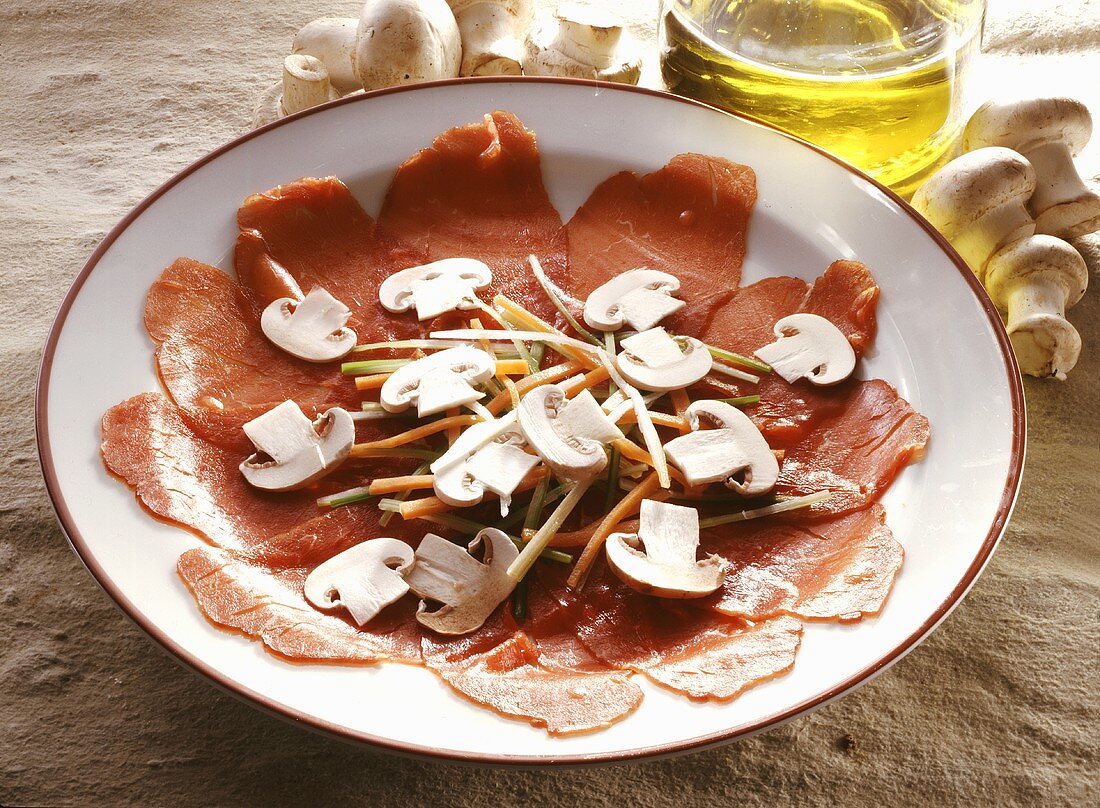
373, 366
400, 451
404, 495
519, 601
538, 500
473, 528
559, 304
407, 343
740, 401
717, 367
534, 548
610, 346
730, 356
358, 494
612, 478
792, 504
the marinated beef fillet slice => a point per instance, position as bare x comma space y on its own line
315, 231
269, 606
688, 219
687, 648
212, 354
477, 192
841, 569
508, 673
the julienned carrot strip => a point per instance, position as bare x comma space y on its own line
513, 392
535, 323
396, 485
626, 507
424, 431
548, 376
659, 418
633, 451
511, 367
372, 382
680, 402
589, 379
425, 506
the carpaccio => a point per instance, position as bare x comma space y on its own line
478, 192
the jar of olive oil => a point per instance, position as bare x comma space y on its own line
879, 83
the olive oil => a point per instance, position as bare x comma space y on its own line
879, 83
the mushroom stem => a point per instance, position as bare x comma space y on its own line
332, 40
1060, 187
492, 33
305, 83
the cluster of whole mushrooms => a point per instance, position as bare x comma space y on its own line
395, 42
1007, 205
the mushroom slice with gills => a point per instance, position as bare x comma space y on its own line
436, 288
314, 328
660, 559
468, 589
294, 451
363, 579
568, 434
498, 466
734, 449
653, 360
809, 347
639, 298
438, 382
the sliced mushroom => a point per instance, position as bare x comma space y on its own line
653, 360
294, 451
660, 559
364, 579
498, 466
639, 298
568, 434
468, 589
438, 381
313, 329
435, 288
809, 347
734, 454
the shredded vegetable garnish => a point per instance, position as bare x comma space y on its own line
378, 415
480, 410
552, 374
435, 427
782, 506
544, 534
741, 401
417, 508
527, 336
371, 382
397, 451
627, 506
613, 458
747, 361
433, 344
525, 319
559, 304
402, 496
358, 494
472, 528
396, 485
718, 367
645, 425
373, 366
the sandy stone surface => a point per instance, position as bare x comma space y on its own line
107, 99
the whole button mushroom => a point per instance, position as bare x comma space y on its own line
332, 40
405, 42
1049, 133
493, 34
586, 42
305, 84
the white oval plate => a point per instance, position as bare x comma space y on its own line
940, 343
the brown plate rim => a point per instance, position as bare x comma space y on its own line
80, 546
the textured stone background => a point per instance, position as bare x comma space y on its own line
108, 98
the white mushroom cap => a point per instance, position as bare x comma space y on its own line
1049, 133
568, 434
332, 40
405, 42
652, 360
734, 454
660, 559
313, 329
294, 451
363, 579
435, 288
493, 34
584, 42
639, 298
809, 347
978, 202
1035, 280
468, 589
438, 382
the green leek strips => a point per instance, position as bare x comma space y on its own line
535, 506
423, 468
521, 349
559, 304
792, 504
645, 424
406, 343
510, 310
399, 451
519, 601
730, 356
360, 493
538, 351
370, 366
522, 565
740, 401
529, 336
726, 370
472, 528
612, 478
610, 346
